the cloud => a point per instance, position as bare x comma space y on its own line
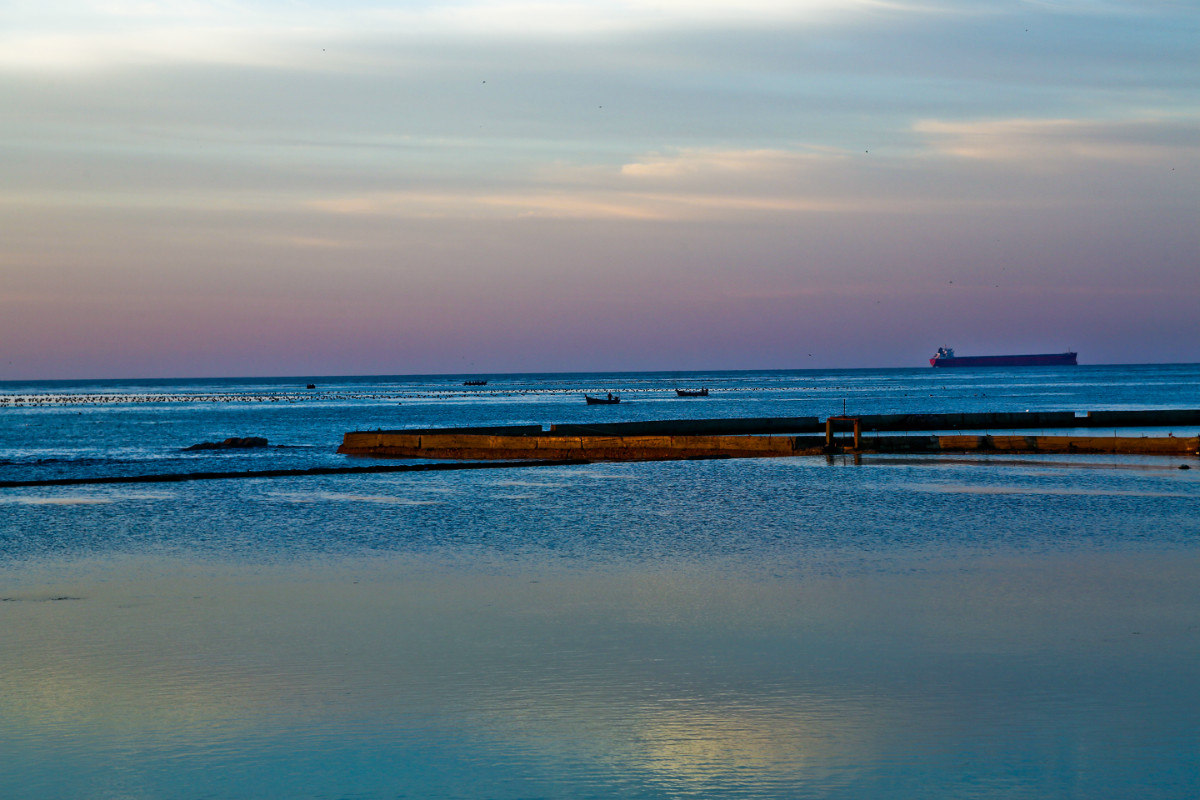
78, 34
467, 204
589, 17
699, 162
1049, 142
687, 185
68, 52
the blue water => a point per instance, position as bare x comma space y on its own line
79, 428
809, 627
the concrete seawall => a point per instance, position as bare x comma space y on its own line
1113, 445
776, 426
398, 444
473, 446
978, 421
1031, 419
762, 426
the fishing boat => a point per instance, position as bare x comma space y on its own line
945, 358
692, 392
611, 400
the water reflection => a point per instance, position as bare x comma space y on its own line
1002, 677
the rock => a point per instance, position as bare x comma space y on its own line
232, 443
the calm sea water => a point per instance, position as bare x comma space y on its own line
810, 627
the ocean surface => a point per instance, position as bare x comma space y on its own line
886, 627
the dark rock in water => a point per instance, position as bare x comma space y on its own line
1184, 466
232, 443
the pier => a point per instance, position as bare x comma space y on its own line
793, 436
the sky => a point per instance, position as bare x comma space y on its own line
223, 188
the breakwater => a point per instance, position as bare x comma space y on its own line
180, 477
785, 436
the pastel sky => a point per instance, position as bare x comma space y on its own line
215, 187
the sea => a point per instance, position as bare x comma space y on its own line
811, 627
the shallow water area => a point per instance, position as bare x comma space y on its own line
428, 677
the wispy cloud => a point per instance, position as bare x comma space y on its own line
564, 204
689, 185
698, 163
94, 34
75, 51
77, 34
1049, 142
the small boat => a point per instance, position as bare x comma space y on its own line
692, 392
311, 386
474, 383
611, 400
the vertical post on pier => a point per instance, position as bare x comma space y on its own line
857, 430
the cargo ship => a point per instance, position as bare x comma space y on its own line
945, 358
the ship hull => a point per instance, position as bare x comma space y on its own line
1039, 360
